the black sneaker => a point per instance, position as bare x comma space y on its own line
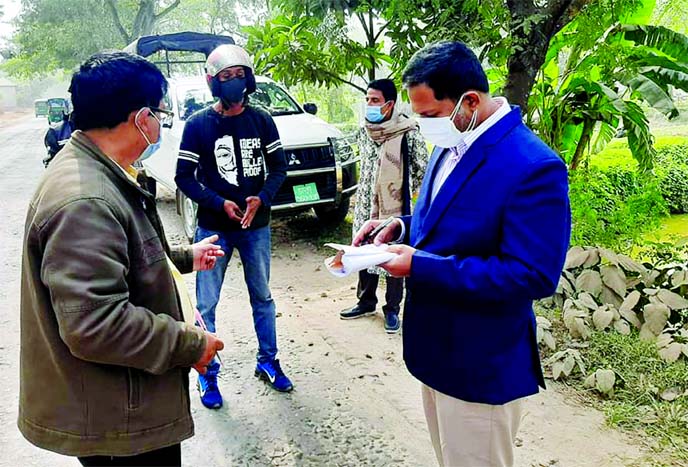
392, 323
356, 312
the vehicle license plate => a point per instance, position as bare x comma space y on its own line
306, 193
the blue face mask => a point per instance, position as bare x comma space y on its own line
152, 147
374, 113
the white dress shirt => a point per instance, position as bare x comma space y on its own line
454, 155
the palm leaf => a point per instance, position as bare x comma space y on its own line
656, 95
639, 136
665, 40
604, 134
664, 70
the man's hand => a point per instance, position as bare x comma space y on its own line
388, 234
401, 265
252, 205
212, 345
205, 253
233, 211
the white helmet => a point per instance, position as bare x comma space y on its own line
225, 56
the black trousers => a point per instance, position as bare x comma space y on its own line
165, 457
367, 287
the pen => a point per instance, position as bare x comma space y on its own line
201, 323
373, 233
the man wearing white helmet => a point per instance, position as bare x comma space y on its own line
231, 163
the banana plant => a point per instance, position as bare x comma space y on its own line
585, 96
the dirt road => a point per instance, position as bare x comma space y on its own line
354, 402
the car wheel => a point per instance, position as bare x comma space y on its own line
333, 216
188, 210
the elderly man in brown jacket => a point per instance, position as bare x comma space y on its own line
105, 352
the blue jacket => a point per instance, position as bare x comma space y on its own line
493, 240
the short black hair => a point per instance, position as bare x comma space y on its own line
386, 87
110, 85
448, 68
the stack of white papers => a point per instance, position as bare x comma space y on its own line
356, 258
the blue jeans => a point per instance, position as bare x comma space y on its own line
254, 251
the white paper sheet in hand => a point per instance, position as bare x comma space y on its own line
357, 258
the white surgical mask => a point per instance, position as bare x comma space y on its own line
152, 147
441, 132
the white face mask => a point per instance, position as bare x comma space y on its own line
441, 131
152, 147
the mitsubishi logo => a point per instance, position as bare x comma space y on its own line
293, 160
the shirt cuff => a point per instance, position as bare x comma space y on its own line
401, 237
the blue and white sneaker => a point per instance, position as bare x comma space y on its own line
207, 387
271, 372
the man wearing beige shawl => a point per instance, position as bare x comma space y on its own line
393, 160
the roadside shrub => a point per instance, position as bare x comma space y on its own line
671, 167
614, 208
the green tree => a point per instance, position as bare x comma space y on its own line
513, 36
54, 34
586, 94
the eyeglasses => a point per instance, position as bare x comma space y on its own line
164, 116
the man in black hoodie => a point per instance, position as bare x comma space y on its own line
232, 164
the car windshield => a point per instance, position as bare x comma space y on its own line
269, 96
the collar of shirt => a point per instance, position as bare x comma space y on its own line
130, 172
472, 137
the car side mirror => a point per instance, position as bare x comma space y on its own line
311, 108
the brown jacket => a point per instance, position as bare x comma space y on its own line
104, 356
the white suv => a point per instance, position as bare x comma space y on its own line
321, 173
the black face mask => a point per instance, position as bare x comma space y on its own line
233, 91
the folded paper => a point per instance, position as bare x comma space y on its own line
350, 259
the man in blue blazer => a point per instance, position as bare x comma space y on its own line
488, 236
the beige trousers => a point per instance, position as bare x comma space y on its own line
467, 434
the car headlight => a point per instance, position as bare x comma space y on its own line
343, 148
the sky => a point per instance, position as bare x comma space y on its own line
11, 9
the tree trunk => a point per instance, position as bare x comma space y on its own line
371, 43
583, 142
531, 29
523, 66
144, 22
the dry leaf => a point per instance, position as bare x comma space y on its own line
609, 255
589, 281
602, 317
575, 257
557, 369
631, 317
565, 287
671, 352
646, 333
670, 394
604, 381
593, 258
589, 382
622, 327
631, 266
673, 300
543, 322
614, 278
608, 296
569, 363
679, 278
663, 340
656, 316
549, 341
630, 301
587, 301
